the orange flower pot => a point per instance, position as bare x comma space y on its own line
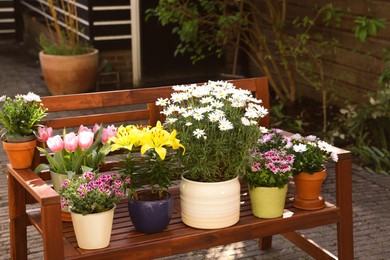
20, 155
308, 187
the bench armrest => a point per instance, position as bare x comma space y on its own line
21, 184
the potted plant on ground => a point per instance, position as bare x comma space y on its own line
69, 64
217, 123
91, 199
311, 155
18, 119
151, 172
269, 175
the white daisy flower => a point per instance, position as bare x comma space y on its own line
198, 133
225, 124
299, 148
31, 97
162, 102
245, 121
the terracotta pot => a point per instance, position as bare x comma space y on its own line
70, 74
210, 205
20, 155
268, 202
308, 187
93, 231
151, 216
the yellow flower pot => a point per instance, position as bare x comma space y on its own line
268, 202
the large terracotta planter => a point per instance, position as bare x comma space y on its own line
20, 155
151, 216
93, 231
210, 205
308, 187
70, 74
268, 202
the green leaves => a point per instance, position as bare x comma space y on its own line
365, 26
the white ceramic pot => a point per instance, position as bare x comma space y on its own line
93, 231
210, 205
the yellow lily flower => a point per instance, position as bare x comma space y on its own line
158, 139
126, 138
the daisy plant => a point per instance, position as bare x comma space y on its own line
19, 116
218, 124
150, 158
311, 154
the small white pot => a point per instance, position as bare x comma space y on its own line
93, 231
210, 205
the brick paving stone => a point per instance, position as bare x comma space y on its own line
20, 73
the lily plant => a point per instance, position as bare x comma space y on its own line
150, 159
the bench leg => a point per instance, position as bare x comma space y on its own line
17, 219
265, 243
52, 233
344, 202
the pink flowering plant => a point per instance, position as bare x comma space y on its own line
311, 153
272, 161
75, 153
92, 193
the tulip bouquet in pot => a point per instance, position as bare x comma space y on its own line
91, 199
19, 118
150, 163
311, 155
74, 153
271, 168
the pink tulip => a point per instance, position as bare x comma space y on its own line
84, 129
95, 128
55, 143
71, 142
85, 139
44, 133
108, 132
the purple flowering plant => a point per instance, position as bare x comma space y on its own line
92, 192
272, 161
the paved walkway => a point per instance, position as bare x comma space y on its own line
20, 73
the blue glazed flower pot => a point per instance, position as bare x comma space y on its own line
151, 216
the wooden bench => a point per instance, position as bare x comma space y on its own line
59, 242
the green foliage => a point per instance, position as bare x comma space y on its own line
365, 127
20, 116
365, 26
63, 30
150, 171
62, 48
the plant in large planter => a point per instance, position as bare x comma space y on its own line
151, 172
311, 155
269, 175
91, 199
68, 63
18, 119
218, 124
